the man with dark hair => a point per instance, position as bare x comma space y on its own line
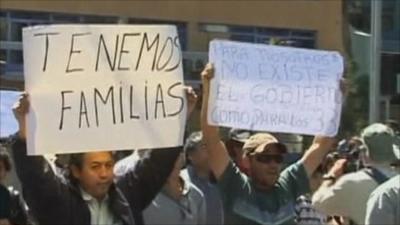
199, 173
91, 196
267, 196
234, 145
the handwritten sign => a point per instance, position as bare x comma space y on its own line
276, 89
103, 87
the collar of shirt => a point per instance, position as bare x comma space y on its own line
100, 212
386, 170
88, 198
185, 186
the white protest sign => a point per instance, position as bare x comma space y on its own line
103, 87
276, 89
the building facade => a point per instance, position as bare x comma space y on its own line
304, 23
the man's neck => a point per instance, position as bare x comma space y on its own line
88, 197
201, 172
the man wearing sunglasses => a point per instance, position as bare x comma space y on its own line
267, 195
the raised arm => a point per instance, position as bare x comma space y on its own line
42, 188
218, 155
144, 181
316, 153
321, 145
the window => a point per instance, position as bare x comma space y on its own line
291, 37
15, 57
3, 28
181, 27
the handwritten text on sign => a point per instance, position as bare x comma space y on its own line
106, 87
272, 88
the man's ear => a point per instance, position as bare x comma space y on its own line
76, 173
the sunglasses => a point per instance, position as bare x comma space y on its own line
268, 158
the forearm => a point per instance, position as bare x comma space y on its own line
218, 155
33, 171
210, 133
144, 181
314, 156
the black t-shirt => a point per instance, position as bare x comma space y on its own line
4, 202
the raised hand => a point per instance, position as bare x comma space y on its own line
20, 109
192, 98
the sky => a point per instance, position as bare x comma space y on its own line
8, 124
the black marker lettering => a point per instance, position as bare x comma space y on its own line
63, 107
84, 111
72, 51
46, 47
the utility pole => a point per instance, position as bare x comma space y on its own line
375, 57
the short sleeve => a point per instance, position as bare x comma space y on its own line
294, 180
233, 183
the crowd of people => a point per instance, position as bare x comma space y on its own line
246, 179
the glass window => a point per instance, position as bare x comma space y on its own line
181, 27
274, 32
4, 29
15, 57
3, 55
303, 33
16, 30
263, 40
244, 38
29, 15
65, 18
241, 29
99, 19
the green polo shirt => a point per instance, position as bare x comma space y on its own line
245, 205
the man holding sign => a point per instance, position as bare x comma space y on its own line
89, 195
114, 80
266, 196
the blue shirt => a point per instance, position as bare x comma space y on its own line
214, 209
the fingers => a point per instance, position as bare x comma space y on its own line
208, 72
21, 107
338, 168
190, 93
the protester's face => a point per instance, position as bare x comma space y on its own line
199, 157
265, 167
3, 172
96, 174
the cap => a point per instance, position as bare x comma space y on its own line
381, 142
239, 135
258, 143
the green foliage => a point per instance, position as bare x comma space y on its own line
355, 106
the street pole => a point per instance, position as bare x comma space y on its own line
375, 60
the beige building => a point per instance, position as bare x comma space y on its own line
304, 23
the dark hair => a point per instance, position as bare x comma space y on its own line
5, 158
76, 159
193, 141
